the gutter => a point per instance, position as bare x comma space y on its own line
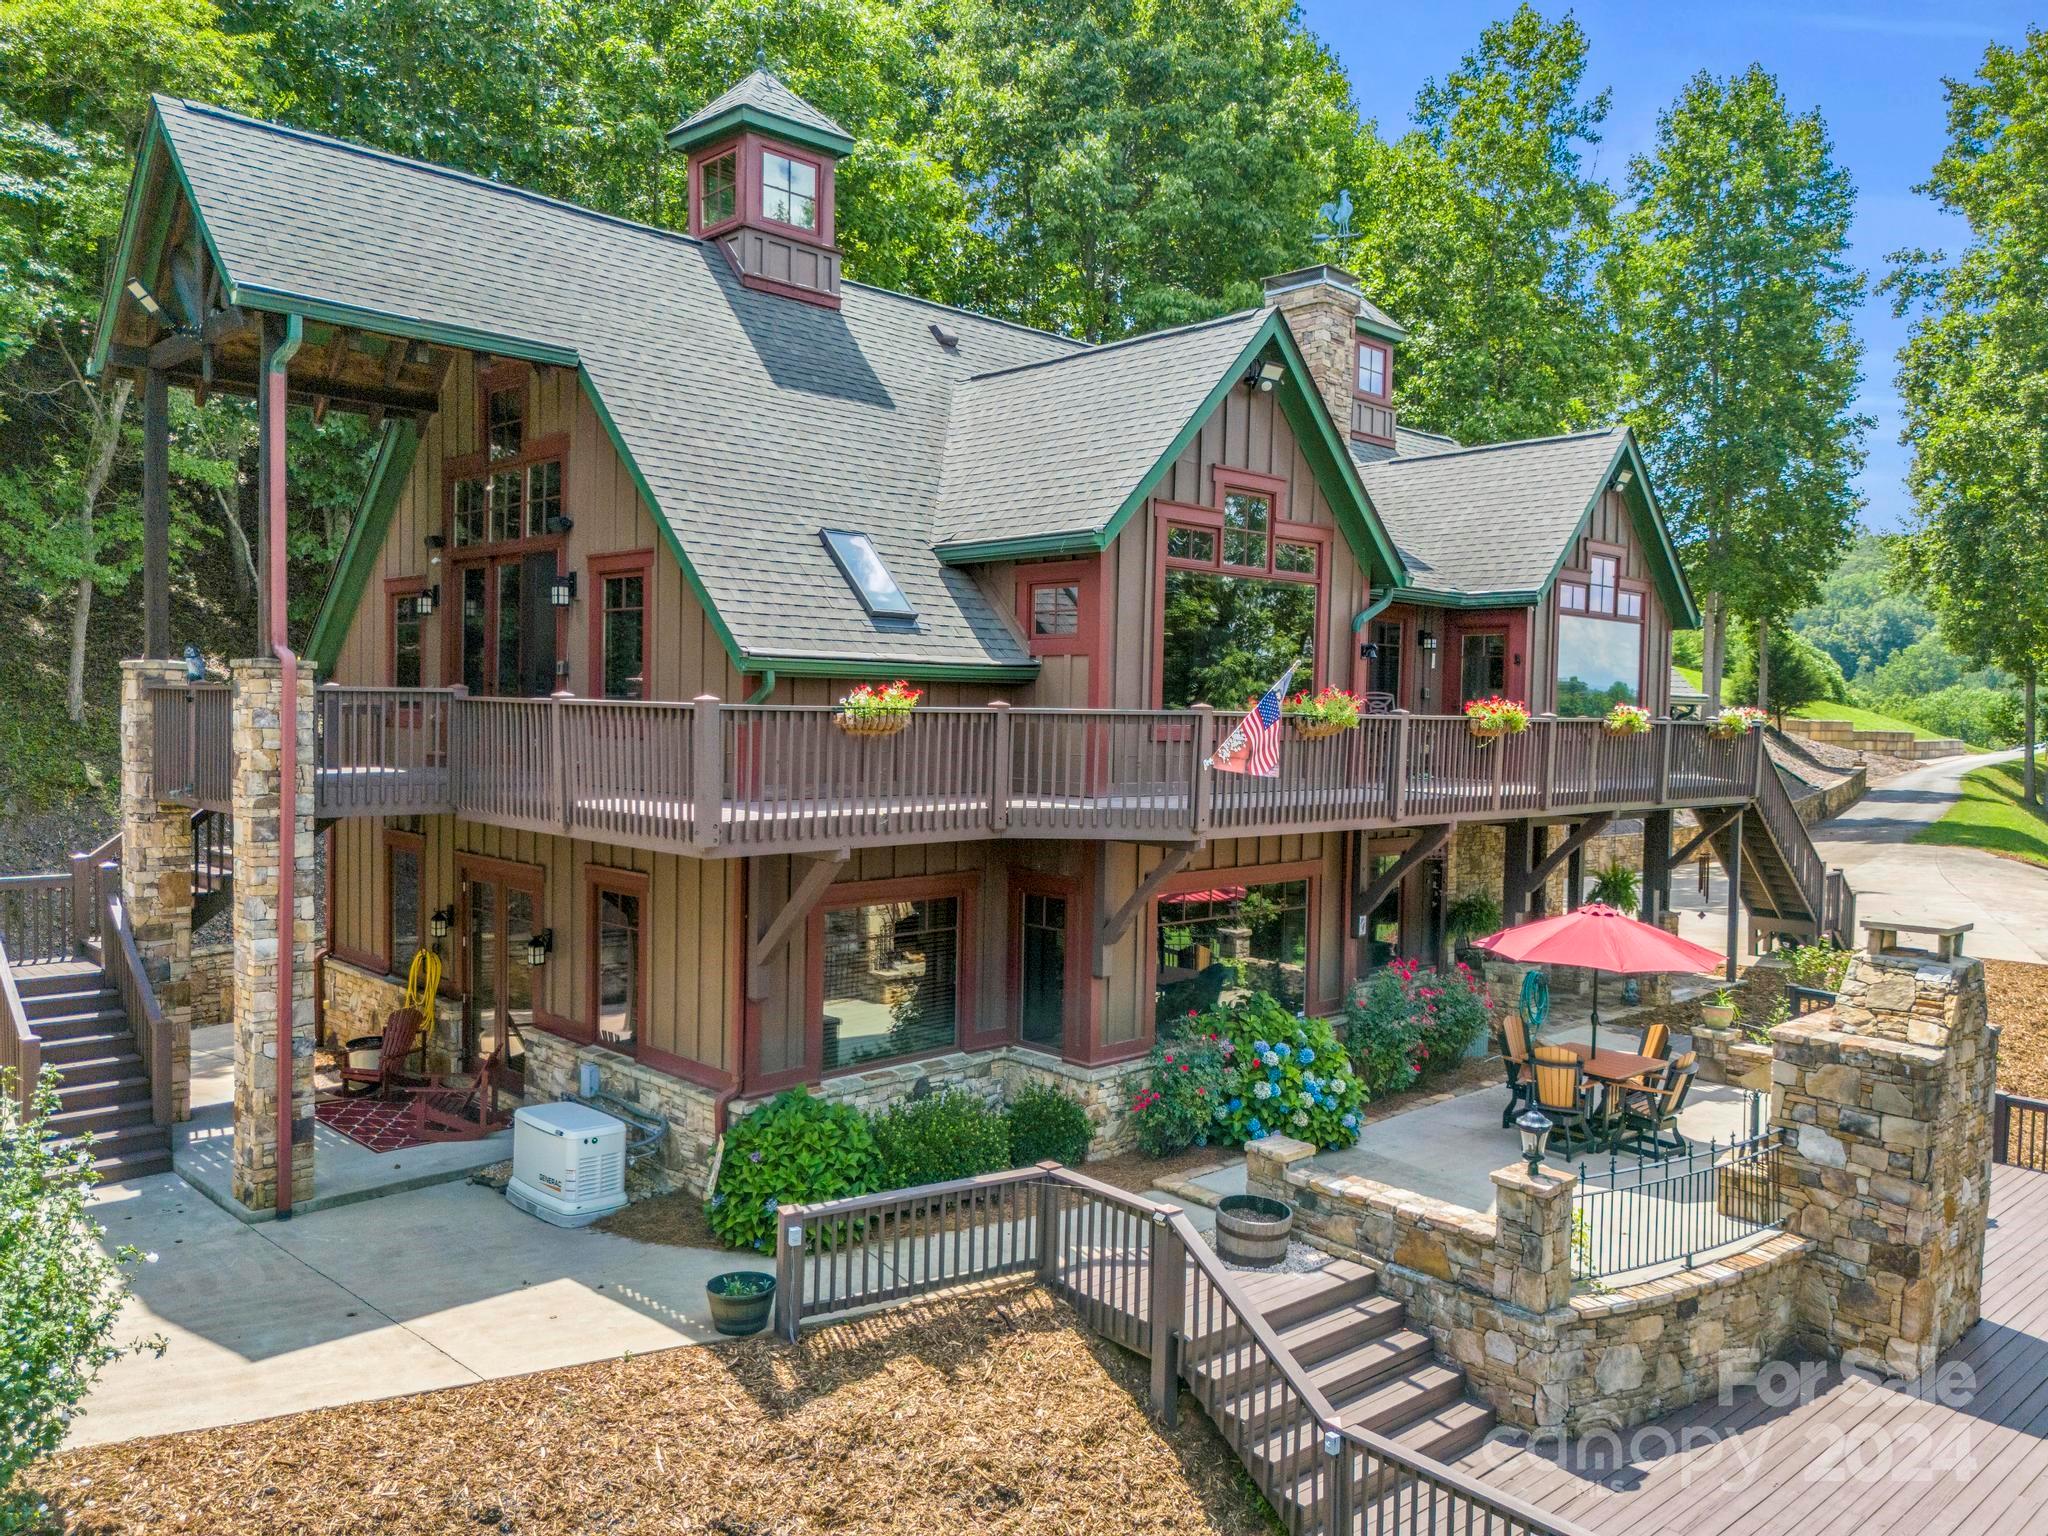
1379, 606
767, 686
274, 390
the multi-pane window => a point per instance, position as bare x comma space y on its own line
1372, 370
617, 935
405, 903
517, 502
1185, 543
1224, 943
1629, 604
1297, 558
406, 637
718, 193
625, 636
1572, 595
1056, 608
1246, 518
543, 497
1384, 675
789, 191
507, 497
1605, 571
505, 421
891, 980
1483, 665
1042, 969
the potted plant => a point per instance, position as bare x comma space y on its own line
1619, 887
1737, 720
1627, 720
740, 1300
1471, 916
1489, 719
1720, 1013
877, 711
1327, 713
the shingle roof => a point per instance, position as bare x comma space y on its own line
1490, 519
754, 421
764, 94
1055, 447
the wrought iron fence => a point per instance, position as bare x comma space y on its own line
1682, 1209
2019, 1132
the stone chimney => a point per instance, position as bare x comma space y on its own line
1322, 306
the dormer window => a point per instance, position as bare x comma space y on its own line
861, 564
1373, 360
789, 190
718, 195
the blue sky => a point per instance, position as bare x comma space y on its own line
1874, 69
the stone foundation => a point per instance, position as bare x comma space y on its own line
689, 1108
358, 1001
156, 870
257, 798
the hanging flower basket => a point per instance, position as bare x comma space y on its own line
1627, 720
1735, 722
1324, 715
1491, 719
877, 711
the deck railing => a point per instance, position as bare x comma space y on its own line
1139, 1274
122, 963
191, 731
39, 918
1675, 1210
703, 775
2019, 1132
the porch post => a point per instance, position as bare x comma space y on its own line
1656, 865
156, 869
1515, 863
1734, 893
156, 514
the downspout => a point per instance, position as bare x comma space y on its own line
1379, 606
767, 686
274, 403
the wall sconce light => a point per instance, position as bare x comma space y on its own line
1264, 375
561, 523
425, 600
538, 948
144, 299
1370, 651
440, 921
562, 590
435, 544
1426, 640
1624, 480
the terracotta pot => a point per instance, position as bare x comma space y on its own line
872, 725
1717, 1015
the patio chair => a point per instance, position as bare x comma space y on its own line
400, 1041
1564, 1095
1514, 1055
458, 1106
1649, 1116
1657, 1042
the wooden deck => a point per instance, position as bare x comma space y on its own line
1967, 1452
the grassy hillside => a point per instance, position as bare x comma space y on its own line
1862, 719
1990, 816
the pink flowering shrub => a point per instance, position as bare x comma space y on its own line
1405, 1022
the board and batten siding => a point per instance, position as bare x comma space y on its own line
1607, 523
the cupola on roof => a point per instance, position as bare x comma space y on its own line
763, 103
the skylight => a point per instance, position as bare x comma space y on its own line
854, 554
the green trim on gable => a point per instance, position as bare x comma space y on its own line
366, 531
773, 124
873, 667
1372, 328
1666, 572
1423, 597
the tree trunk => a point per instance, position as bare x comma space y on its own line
106, 444
1711, 627
2029, 782
245, 561
1763, 664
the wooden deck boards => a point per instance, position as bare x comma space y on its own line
1959, 1455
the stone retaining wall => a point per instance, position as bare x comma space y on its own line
358, 1001
690, 1109
213, 983
1729, 1056
1831, 800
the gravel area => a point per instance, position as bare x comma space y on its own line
2019, 1005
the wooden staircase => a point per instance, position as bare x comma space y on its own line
1376, 1371
76, 1015
1786, 885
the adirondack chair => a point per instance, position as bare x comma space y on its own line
1649, 1117
1514, 1055
1563, 1094
459, 1106
400, 1041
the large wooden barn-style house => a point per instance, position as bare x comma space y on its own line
646, 505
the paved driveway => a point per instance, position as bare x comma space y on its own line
1920, 883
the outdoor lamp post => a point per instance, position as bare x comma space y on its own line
1535, 1128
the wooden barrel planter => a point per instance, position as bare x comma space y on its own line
1251, 1230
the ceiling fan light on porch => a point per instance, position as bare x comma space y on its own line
538, 948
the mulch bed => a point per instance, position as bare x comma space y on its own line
2019, 1005
987, 1412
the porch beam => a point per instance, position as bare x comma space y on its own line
1517, 858
338, 348
1579, 836
810, 889
156, 515
1709, 827
1109, 930
187, 347
351, 397
394, 363
1428, 843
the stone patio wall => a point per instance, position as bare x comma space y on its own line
358, 1000
690, 1109
213, 983
1728, 1056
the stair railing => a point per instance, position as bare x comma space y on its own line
19, 1047
1827, 897
122, 962
85, 885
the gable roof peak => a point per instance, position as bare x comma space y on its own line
761, 101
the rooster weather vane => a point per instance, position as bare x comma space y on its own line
1338, 216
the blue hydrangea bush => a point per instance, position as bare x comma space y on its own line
793, 1150
1253, 1068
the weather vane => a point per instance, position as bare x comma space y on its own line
1338, 216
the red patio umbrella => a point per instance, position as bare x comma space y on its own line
1600, 939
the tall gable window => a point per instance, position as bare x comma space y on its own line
718, 196
1600, 636
506, 526
407, 636
789, 190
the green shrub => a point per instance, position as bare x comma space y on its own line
1047, 1126
1178, 1108
951, 1135
1820, 965
59, 1293
792, 1150
1471, 916
1619, 887
1283, 1074
1406, 1021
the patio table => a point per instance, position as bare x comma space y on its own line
1614, 1071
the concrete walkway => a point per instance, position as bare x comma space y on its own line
1920, 883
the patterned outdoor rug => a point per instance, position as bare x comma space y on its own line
372, 1123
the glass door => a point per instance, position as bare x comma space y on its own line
1483, 664
507, 635
498, 991
1042, 969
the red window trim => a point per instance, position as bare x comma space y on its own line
494, 380
1309, 870
1223, 480
1087, 639
480, 466
1165, 514
964, 889
701, 162
749, 206
395, 588
634, 562
1076, 1042
597, 878
410, 842
820, 205
1386, 394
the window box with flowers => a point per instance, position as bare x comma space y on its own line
1491, 718
1324, 714
1738, 720
1627, 720
872, 710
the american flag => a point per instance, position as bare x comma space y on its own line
1253, 745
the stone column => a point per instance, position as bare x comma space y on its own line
1886, 1104
156, 869
1533, 1251
258, 845
1321, 305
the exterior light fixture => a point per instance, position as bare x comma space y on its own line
538, 947
1426, 640
1535, 1128
562, 590
560, 523
144, 299
1624, 480
1265, 375
425, 600
440, 921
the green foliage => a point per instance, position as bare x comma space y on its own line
793, 1149
951, 1135
1861, 618
1992, 815
1819, 965
1471, 916
1984, 717
1619, 886
1406, 1021
1047, 1125
59, 1292
1283, 1074
1177, 1108
1801, 673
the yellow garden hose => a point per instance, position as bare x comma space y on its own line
423, 982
